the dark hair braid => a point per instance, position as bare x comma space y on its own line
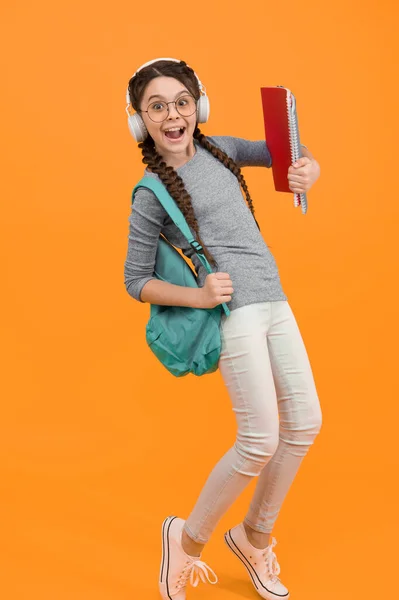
175, 186
227, 162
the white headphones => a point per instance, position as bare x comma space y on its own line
135, 122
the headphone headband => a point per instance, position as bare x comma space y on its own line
150, 62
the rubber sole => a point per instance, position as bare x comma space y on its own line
164, 569
251, 571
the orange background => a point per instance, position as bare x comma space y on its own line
98, 443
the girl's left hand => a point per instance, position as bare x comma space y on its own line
303, 176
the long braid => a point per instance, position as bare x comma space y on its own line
175, 186
227, 162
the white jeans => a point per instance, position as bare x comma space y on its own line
266, 369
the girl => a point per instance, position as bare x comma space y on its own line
263, 362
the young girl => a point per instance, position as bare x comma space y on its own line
263, 362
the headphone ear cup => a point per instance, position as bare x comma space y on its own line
137, 127
203, 109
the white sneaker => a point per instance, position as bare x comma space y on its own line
261, 565
177, 566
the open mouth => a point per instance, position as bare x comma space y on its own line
175, 134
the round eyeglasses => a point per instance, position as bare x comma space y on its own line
159, 110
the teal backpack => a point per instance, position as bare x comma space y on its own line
185, 340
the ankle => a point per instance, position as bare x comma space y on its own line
191, 547
257, 539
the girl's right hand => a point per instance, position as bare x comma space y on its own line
216, 290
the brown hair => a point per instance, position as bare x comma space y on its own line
172, 181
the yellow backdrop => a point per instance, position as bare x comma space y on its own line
98, 442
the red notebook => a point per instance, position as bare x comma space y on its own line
282, 136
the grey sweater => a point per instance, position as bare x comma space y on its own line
225, 222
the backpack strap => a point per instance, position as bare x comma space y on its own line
177, 217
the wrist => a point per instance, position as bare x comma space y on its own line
199, 298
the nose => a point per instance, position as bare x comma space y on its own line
172, 112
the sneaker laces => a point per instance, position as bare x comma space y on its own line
271, 561
197, 571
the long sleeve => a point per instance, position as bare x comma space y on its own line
245, 153
145, 224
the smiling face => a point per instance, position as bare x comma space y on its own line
173, 150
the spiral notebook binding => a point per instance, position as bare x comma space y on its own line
299, 199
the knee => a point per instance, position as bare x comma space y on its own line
314, 421
318, 420
304, 428
257, 449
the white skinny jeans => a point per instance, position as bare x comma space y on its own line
267, 372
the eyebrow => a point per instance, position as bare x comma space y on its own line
159, 95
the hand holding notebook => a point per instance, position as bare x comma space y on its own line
282, 135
